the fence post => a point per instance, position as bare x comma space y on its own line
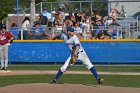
41, 7
32, 11
91, 8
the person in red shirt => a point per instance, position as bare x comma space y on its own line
6, 39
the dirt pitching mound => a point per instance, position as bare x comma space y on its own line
65, 88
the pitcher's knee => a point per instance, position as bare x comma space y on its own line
63, 69
89, 66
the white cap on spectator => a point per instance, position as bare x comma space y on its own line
53, 12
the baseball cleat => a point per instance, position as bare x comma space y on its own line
2, 68
100, 81
5, 69
53, 81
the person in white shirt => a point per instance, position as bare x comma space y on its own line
26, 28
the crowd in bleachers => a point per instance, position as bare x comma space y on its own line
86, 27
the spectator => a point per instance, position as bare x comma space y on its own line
114, 12
43, 20
82, 16
14, 30
61, 13
99, 26
26, 28
51, 20
103, 35
46, 13
95, 16
70, 17
113, 27
58, 23
37, 31
78, 30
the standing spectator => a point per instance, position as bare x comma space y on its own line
5, 40
26, 28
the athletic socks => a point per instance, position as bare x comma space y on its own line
58, 74
93, 71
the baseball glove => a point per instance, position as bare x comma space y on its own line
73, 59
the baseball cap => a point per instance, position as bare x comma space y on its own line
3, 26
44, 8
69, 28
53, 12
37, 23
41, 14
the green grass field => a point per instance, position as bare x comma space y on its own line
110, 80
104, 68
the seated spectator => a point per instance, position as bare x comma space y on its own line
51, 20
46, 13
78, 30
14, 30
58, 23
99, 26
102, 35
61, 13
48, 33
115, 11
43, 20
95, 16
87, 30
112, 28
37, 31
82, 16
70, 17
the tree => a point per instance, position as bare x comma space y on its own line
6, 6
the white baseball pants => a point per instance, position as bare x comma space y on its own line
82, 56
4, 55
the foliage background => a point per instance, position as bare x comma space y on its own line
7, 6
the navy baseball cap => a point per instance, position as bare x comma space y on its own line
44, 8
3, 26
69, 28
41, 14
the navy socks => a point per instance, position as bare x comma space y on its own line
93, 71
58, 74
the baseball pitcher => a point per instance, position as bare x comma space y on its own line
5, 40
77, 53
